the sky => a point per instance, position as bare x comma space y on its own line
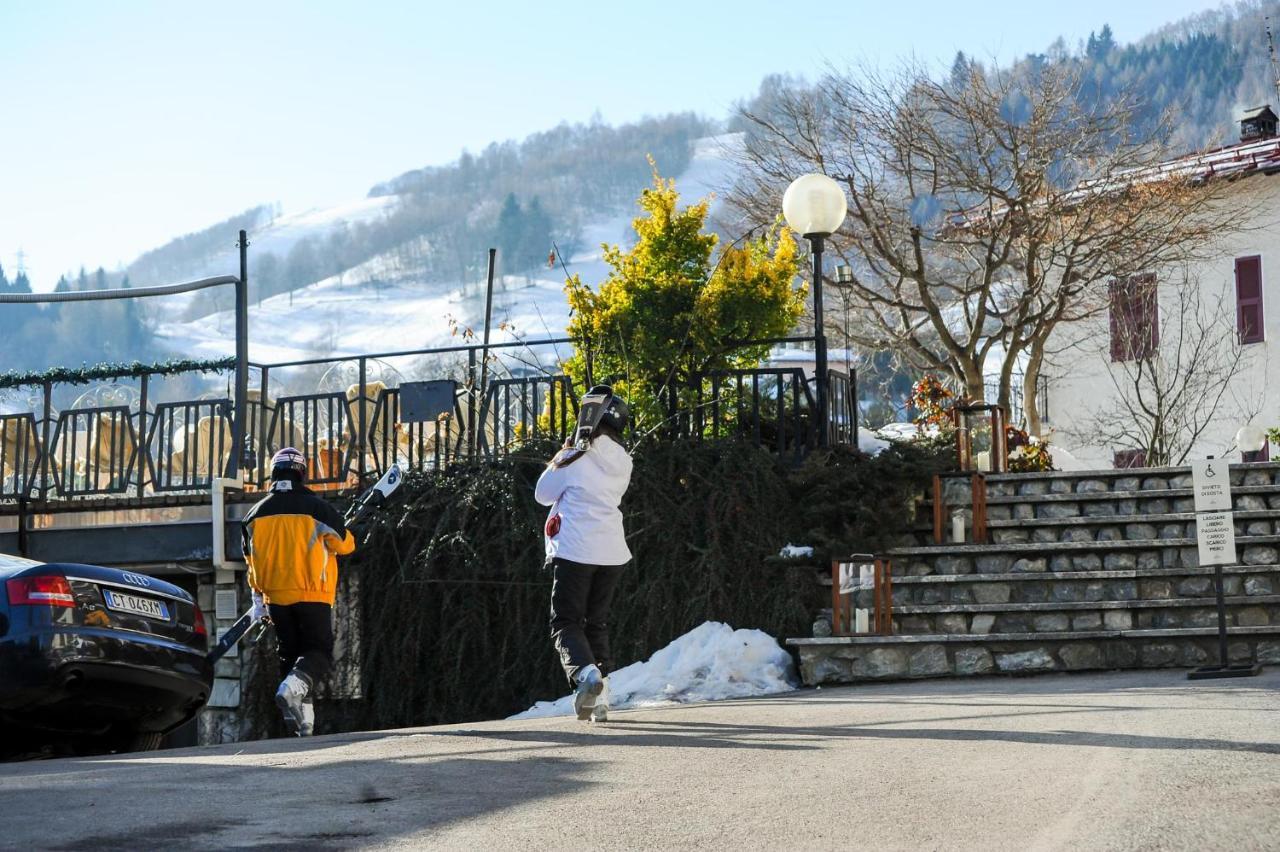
125, 124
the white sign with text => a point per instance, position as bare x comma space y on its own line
1211, 484
1216, 536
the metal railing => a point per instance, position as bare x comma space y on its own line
150, 448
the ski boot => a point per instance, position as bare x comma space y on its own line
600, 713
295, 705
590, 685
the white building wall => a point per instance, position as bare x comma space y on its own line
1080, 375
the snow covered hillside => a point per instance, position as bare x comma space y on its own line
379, 306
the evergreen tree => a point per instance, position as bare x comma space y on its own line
509, 234
535, 236
960, 70
21, 284
4, 282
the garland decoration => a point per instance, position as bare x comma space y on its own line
84, 374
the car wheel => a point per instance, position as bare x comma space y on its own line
145, 741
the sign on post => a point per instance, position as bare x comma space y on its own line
1211, 484
1216, 536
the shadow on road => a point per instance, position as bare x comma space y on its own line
167, 804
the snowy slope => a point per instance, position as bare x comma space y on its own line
709, 663
349, 314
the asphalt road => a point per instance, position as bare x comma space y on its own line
1119, 761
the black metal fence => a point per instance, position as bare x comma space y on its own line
147, 448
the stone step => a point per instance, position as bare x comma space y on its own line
1060, 617
1258, 544
1148, 479
1261, 497
854, 659
1173, 525
1079, 586
1074, 606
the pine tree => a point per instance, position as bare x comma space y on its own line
4, 282
509, 234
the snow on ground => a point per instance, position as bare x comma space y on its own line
709, 663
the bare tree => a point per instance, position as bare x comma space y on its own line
1167, 393
984, 213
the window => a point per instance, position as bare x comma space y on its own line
1249, 299
1261, 455
1135, 319
1125, 459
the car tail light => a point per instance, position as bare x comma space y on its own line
201, 629
40, 590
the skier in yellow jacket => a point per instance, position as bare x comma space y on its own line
291, 541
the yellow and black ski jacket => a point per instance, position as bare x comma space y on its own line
291, 541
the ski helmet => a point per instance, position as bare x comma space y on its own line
600, 405
288, 460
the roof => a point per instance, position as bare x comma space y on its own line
1258, 112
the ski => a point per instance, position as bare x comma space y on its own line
232, 636
376, 496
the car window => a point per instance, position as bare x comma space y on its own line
14, 562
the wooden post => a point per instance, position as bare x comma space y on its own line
978, 490
938, 509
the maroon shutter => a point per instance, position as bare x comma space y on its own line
1124, 459
1116, 312
1150, 317
1261, 455
1249, 299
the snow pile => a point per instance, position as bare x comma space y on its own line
871, 444
711, 662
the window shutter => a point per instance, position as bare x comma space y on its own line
1150, 317
1125, 459
1249, 299
1117, 323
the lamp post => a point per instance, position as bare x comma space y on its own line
814, 206
844, 276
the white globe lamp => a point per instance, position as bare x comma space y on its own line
1251, 438
814, 205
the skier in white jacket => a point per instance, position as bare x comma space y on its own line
586, 546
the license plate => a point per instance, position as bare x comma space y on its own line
136, 605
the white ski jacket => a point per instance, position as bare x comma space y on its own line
586, 495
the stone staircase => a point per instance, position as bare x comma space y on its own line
1082, 570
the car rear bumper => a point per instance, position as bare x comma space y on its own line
87, 679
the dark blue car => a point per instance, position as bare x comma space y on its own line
95, 659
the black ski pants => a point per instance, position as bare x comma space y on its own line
304, 632
580, 598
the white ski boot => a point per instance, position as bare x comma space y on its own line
600, 713
590, 685
297, 711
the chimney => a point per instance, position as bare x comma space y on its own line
1258, 123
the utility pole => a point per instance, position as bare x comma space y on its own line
1271, 52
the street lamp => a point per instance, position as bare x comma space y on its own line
1251, 438
814, 205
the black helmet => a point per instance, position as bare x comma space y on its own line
288, 463
600, 405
